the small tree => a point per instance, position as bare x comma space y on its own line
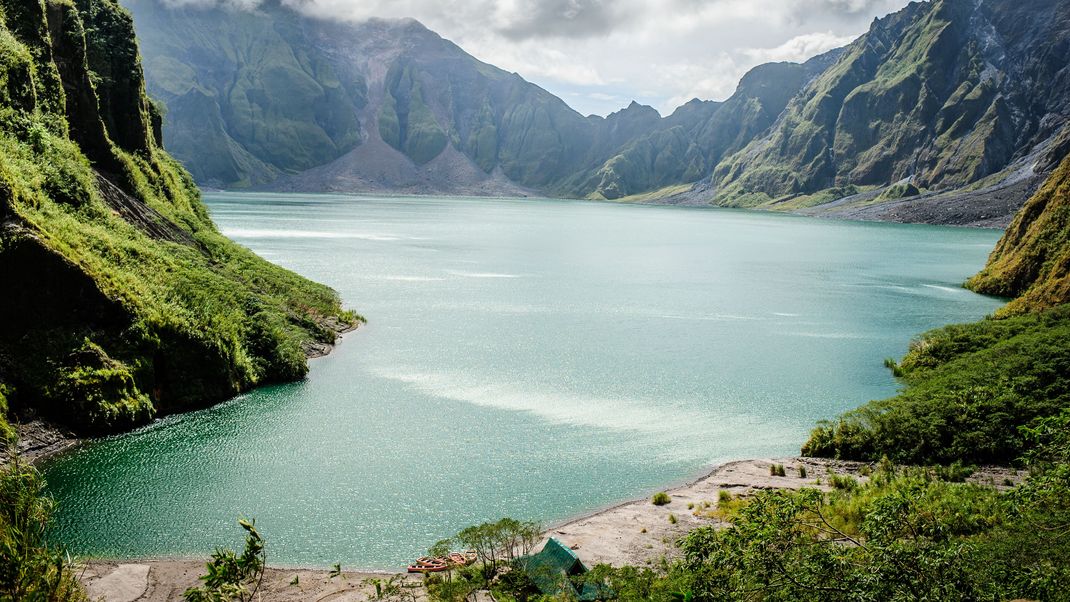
230, 575
507, 539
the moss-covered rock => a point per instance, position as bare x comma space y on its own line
122, 301
1032, 260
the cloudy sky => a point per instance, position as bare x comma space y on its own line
599, 55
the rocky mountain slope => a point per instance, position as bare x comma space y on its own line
1032, 260
939, 113
257, 98
121, 301
943, 95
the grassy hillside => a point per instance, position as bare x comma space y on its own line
124, 301
971, 389
1032, 260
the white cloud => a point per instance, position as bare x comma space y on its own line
800, 48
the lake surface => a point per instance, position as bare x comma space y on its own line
526, 358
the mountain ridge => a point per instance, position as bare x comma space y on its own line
415, 95
964, 93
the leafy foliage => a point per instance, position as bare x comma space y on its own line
30, 569
970, 389
501, 541
904, 535
233, 576
129, 300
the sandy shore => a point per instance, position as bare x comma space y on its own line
640, 533
165, 580
631, 533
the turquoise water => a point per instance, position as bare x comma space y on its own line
524, 358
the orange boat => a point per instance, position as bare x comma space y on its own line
458, 559
426, 564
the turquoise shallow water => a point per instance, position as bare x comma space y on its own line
525, 358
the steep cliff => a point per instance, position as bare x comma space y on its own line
940, 95
121, 301
1032, 260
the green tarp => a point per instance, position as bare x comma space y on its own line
552, 569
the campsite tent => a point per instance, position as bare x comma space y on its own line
552, 568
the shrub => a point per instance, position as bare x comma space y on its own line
956, 472
777, 470
672, 519
661, 498
230, 576
29, 568
842, 482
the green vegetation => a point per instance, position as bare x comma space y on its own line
661, 498
30, 569
898, 191
969, 391
129, 302
904, 535
233, 576
777, 470
812, 200
846, 482
1032, 260
498, 542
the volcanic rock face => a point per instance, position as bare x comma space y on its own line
940, 94
261, 98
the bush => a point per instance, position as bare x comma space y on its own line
969, 391
956, 472
842, 482
661, 498
29, 568
232, 576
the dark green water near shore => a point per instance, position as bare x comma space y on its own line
535, 359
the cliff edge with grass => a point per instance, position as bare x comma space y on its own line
121, 301
973, 392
